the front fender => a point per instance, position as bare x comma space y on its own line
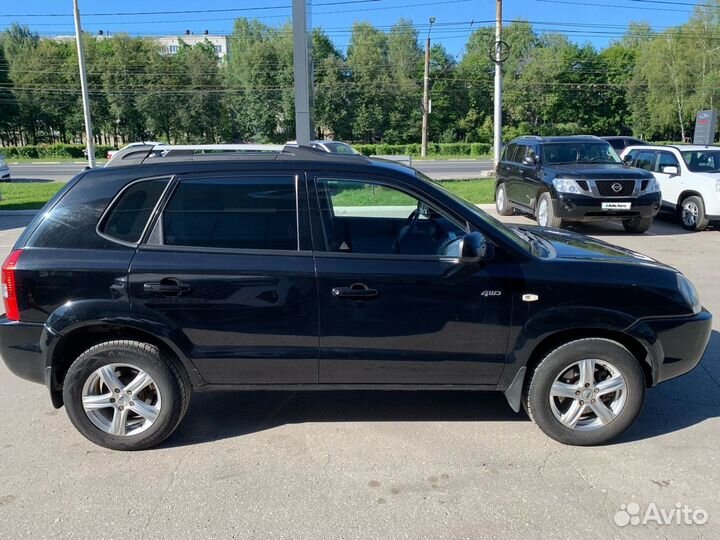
552, 321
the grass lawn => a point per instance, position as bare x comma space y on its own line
27, 196
475, 191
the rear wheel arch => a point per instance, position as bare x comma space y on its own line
558, 339
72, 344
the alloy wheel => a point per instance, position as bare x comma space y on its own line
121, 399
542, 213
588, 395
690, 213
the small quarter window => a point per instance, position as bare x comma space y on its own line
130, 212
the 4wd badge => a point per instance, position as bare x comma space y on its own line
491, 293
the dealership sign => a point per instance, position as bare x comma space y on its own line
705, 127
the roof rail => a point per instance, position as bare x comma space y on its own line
149, 153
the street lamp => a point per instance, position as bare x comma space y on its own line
426, 93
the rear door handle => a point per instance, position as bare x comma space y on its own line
167, 287
358, 291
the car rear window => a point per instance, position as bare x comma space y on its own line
127, 217
234, 213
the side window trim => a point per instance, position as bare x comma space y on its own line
101, 222
322, 237
154, 236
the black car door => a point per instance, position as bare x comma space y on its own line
390, 312
229, 271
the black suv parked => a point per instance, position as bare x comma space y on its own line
581, 178
139, 284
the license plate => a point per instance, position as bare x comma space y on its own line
616, 206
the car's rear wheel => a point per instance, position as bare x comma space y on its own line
502, 204
125, 395
637, 225
586, 392
545, 213
692, 214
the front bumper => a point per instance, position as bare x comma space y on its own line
675, 344
585, 208
20, 349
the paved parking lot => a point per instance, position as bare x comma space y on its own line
373, 464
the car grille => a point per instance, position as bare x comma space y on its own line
605, 188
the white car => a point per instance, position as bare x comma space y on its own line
689, 178
4, 170
111, 153
331, 147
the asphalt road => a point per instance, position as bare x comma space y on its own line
371, 464
438, 170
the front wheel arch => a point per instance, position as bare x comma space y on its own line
553, 341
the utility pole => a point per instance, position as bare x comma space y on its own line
498, 82
302, 64
84, 87
426, 93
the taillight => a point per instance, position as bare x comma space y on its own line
9, 286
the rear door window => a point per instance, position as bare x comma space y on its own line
255, 213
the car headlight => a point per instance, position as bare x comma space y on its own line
567, 185
689, 292
653, 186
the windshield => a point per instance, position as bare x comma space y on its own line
702, 160
579, 152
511, 235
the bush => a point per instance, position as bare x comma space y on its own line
49, 151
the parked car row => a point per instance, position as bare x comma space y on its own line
563, 180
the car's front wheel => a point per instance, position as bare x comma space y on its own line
502, 204
637, 225
545, 213
692, 214
586, 392
125, 395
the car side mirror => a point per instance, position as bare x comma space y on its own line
530, 161
672, 170
627, 160
474, 249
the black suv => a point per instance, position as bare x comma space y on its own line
574, 179
171, 273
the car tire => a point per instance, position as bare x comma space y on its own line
585, 370
545, 213
692, 214
149, 399
502, 204
637, 225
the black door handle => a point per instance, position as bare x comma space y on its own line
167, 287
358, 291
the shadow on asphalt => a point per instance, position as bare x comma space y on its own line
683, 402
10, 221
673, 406
214, 416
665, 224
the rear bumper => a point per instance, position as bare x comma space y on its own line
676, 345
20, 349
584, 208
